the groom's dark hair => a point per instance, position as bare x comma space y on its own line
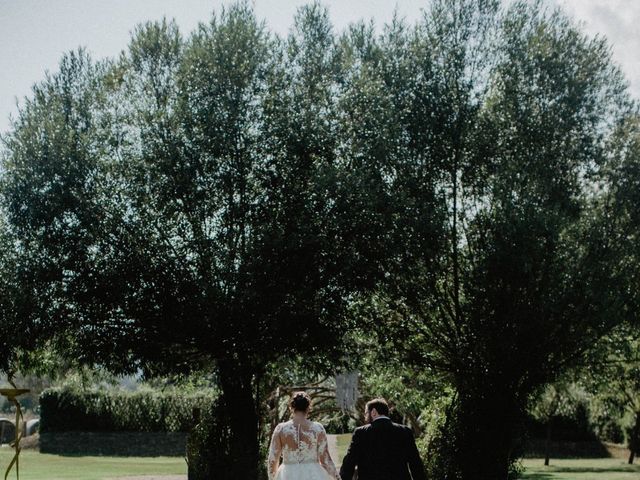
381, 406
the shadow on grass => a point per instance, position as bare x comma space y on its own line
536, 448
593, 470
552, 471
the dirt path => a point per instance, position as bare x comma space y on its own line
332, 442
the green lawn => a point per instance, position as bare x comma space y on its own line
583, 469
36, 466
342, 443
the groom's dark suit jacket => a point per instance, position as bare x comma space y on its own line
383, 450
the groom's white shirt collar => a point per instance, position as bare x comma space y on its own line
380, 417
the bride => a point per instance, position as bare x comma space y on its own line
302, 445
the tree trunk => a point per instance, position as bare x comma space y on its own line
237, 398
486, 431
634, 441
547, 444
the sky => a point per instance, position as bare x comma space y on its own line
34, 34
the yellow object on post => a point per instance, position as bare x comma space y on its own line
12, 394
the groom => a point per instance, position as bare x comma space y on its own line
382, 450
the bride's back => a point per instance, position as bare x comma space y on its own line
301, 441
302, 445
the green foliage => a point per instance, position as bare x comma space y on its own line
434, 444
339, 423
612, 373
573, 426
208, 444
416, 397
434, 418
558, 399
68, 409
520, 108
21, 334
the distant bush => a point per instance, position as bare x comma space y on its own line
338, 423
573, 427
612, 431
69, 409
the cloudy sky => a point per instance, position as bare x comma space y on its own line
35, 33
618, 20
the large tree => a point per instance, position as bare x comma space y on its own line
515, 111
186, 206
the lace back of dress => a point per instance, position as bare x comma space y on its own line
298, 452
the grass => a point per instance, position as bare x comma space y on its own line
342, 444
581, 469
37, 466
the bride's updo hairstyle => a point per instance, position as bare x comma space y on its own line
300, 402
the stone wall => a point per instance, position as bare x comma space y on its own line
130, 444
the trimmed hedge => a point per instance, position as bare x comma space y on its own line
72, 410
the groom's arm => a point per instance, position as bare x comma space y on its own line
350, 460
415, 462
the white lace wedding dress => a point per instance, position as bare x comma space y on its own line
304, 450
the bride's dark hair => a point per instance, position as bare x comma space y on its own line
300, 402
